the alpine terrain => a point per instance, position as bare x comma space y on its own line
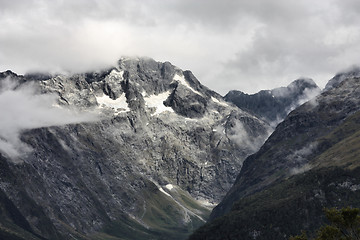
311, 161
141, 150
274, 105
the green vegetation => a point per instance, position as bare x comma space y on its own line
162, 217
343, 145
344, 225
286, 207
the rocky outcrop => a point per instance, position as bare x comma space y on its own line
159, 149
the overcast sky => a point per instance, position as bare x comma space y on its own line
228, 44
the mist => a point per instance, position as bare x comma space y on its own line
240, 136
23, 107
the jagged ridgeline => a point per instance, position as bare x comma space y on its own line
311, 161
274, 105
138, 151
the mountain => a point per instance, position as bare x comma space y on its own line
141, 150
311, 161
274, 105
353, 72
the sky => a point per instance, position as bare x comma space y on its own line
227, 44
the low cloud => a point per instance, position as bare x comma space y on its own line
300, 158
299, 170
309, 95
239, 135
23, 108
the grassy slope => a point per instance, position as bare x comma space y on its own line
162, 218
345, 145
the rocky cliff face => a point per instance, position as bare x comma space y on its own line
149, 153
274, 105
309, 162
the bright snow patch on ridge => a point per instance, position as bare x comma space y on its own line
162, 190
182, 80
218, 102
157, 102
119, 104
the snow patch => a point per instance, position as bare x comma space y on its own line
181, 79
157, 102
215, 100
162, 190
119, 104
169, 186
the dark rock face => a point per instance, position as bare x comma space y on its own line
317, 141
186, 103
274, 105
162, 146
296, 138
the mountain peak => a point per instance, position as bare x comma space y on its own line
273, 105
353, 72
7, 73
159, 140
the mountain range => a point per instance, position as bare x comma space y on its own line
274, 105
143, 150
311, 161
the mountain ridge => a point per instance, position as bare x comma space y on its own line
317, 141
140, 149
274, 105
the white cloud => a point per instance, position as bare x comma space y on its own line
244, 45
238, 134
23, 108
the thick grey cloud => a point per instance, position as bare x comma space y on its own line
228, 44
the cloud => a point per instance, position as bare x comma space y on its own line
239, 135
23, 108
309, 95
230, 44
310, 43
300, 158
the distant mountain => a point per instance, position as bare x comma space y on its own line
157, 152
311, 161
274, 105
354, 72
